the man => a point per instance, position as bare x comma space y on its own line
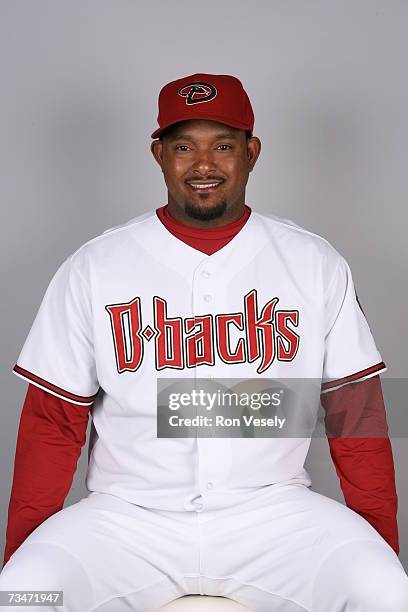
201, 288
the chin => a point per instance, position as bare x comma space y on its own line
205, 212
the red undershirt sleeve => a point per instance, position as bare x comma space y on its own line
51, 434
364, 465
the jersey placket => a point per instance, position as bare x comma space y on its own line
213, 454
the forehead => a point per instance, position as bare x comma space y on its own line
200, 127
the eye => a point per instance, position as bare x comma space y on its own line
225, 145
181, 146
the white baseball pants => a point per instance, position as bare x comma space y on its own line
285, 549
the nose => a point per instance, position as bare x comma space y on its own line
204, 162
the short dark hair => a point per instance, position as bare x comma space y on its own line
169, 129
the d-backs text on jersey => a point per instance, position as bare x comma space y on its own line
187, 343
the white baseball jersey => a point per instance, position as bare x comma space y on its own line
136, 303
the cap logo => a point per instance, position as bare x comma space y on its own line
197, 92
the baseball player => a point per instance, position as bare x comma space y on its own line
203, 287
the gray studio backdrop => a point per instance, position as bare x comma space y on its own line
79, 85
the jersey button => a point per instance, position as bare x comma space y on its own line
206, 274
207, 297
210, 485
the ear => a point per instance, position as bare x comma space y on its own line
157, 150
253, 149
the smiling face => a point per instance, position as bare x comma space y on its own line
206, 165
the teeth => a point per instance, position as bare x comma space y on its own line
203, 186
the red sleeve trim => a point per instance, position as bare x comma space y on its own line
339, 382
47, 386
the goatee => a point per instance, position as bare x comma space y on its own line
205, 213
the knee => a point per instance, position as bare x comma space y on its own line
362, 575
48, 567
27, 570
32, 566
386, 592
376, 580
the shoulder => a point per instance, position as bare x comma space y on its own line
113, 242
288, 229
298, 242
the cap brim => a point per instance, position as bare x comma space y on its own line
157, 133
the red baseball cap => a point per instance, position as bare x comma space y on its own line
216, 97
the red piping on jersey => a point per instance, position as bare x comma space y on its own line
353, 377
51, 387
